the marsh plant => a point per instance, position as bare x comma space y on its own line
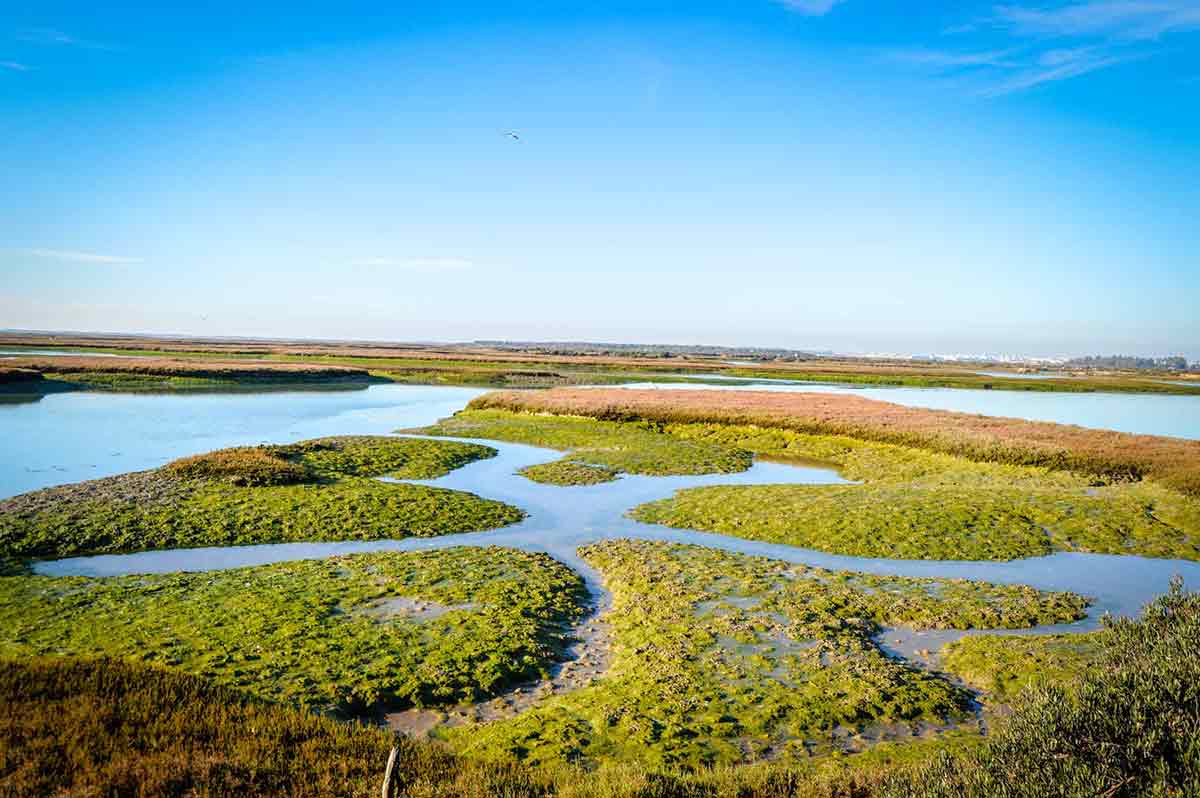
722, 658
910, 502
348, 634
323, 489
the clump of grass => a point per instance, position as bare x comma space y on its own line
321, 633
568, 472
622, 447
239, 497
1004, 665
247, 466
1111, 456
380, 455
723, 658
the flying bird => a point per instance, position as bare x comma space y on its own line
512, 134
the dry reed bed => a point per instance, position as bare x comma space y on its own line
199, 369
1174, 462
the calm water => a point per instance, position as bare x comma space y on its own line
52, 353
1148, 414
69, 437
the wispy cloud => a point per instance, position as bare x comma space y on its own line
57, 38
811, 8
1046, 43
80, 257
1120, 19
14, 66
1058, 65
945, 59
418, 264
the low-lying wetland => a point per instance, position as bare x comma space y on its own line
353, 634
313, 490
763, 640
910, 503
723, 658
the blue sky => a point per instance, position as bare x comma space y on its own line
853, 175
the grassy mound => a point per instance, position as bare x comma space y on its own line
247, 466
315, 490
567, 472
937, 523
349, 633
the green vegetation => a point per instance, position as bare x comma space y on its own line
723, 658
119, 728
912, 503
120, 381
252, 495
622, 447
108, 727
1105, 455
906, 522
351, 634
568, 472
1129, 726
1004, 665
542, 366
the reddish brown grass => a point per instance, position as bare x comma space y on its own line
202, 369
1112, 455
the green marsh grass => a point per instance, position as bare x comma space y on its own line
1004, 665
1127, 727
623, 447
722, 658
314, 490
568, 472
1105, 455
338, 634
911, 503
